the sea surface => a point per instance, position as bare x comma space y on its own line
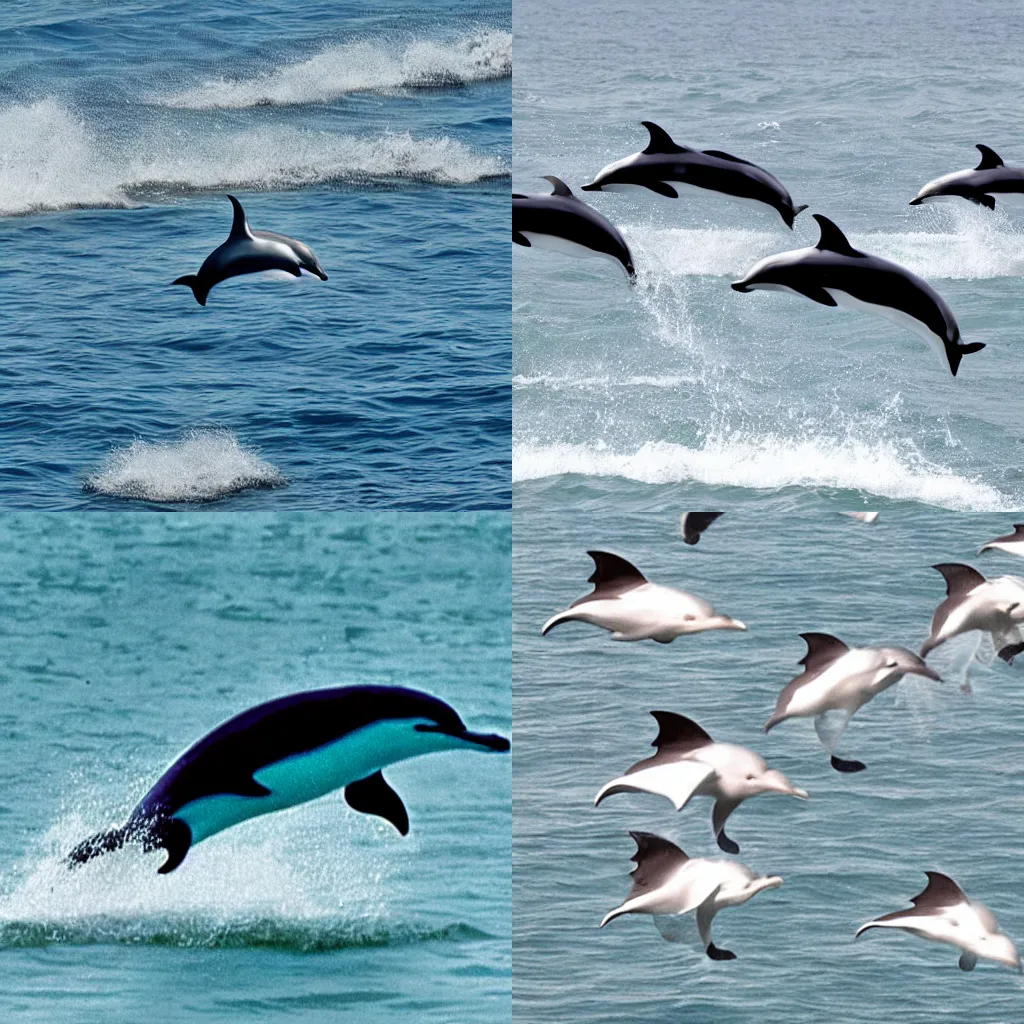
379, 134
943, 789
127, 639
680, 385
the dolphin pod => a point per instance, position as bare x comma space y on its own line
249, 252
287, 752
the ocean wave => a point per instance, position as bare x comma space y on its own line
364, 66
51, 161
769, 462
203, 466
964, 244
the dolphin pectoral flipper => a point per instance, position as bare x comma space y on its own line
373, 795
520, 239
968, 961
814, 294
172, 835
663, 189
981, 199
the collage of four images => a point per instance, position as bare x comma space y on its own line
370, 656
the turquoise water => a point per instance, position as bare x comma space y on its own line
624, 397
128, 638
380, 135
942, 789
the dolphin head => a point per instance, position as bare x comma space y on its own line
770, 274
899, 659
766, 882
773, 781
722, 622
999, 947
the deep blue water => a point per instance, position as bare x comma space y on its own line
130, 637
378, 134
942, 790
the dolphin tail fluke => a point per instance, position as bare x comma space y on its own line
797, 210
95, 846
172, 835
191, 281
956, 352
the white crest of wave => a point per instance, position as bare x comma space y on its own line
49, 160
771, 462
963, 243
203, 466
366, 65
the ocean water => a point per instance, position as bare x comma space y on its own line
130, 637
626, 396
379, 134
942, 789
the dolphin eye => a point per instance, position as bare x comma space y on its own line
750, 778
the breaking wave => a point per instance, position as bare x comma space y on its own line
203, 466
51, 161
364, 66
770, 462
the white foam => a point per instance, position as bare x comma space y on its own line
366, 65
203, 466
770, 462
964, 243
51, 161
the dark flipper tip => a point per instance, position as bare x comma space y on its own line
719, 954
847, 766
726, 844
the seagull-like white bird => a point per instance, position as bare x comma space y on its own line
631, 608
972, 602
1012, 543
841, 679
944, 913
690, 763
668, 884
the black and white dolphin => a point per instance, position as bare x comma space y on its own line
835, 274
690, 763
1011, 543
668, 884
670, 170
984, 184
563, 223
250, 252
943, 912
283, 753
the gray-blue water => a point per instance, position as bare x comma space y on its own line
942, 789
126, 639
378, 134
625, 396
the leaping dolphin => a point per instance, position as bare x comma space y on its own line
841, 679
284, 753
690, 763
631, 608
1011, 543
983, 185
669, 170
693, 524
563, 223
972, 602
667, 883
833, 273
249, 252
944, 913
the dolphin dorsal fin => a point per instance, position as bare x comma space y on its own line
561, 189
960, 579
661, 141
239, 225
832, 239
656, 860
940, 892
822, 650
989, 158
678, 734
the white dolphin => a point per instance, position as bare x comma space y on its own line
1011, 543
972, 602
690, 763
944, 913
668, 884
841, 679
631, 608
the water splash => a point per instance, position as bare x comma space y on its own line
365, 66
203, 466
50, 160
